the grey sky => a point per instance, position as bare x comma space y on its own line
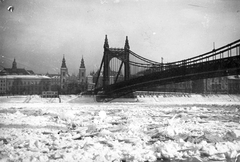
39, 32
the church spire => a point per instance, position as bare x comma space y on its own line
82, 64
106, 42
14, 64
63, 63
126, 44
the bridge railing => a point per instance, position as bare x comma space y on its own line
232, 49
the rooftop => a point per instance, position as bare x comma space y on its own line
24, 77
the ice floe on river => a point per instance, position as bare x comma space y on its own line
119, 132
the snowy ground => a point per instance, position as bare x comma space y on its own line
152, 129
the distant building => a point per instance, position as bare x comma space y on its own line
72, 85
3, 85
90, 84
63, 75
211, 85
82, 77
185, 87
217, 85
234, 84
24, 84
55, 81
98, 76
82, 72
49, 94
199, 86
15, 71
72, 79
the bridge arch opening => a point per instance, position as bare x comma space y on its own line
116, 70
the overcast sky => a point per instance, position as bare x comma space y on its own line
39, 32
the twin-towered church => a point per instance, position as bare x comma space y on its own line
65, 78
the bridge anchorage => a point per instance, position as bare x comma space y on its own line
123, 72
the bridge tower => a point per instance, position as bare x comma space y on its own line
106, 62
108, 55
126, 54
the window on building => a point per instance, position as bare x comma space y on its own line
83, 74
63, 73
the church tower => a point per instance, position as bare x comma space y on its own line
82, 72
14, 64
63, 74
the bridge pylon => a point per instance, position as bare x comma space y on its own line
121, 54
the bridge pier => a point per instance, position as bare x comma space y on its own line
103, 97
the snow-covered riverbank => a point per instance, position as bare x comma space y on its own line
169, 98
134, 131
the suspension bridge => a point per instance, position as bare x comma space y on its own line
133, 72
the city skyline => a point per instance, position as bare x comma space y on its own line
39, 33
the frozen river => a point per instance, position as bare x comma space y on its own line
146, 129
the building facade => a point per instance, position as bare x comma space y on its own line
24, 84
217, 85
90, 84
184, 87
55, 82
3, 85
234, 84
